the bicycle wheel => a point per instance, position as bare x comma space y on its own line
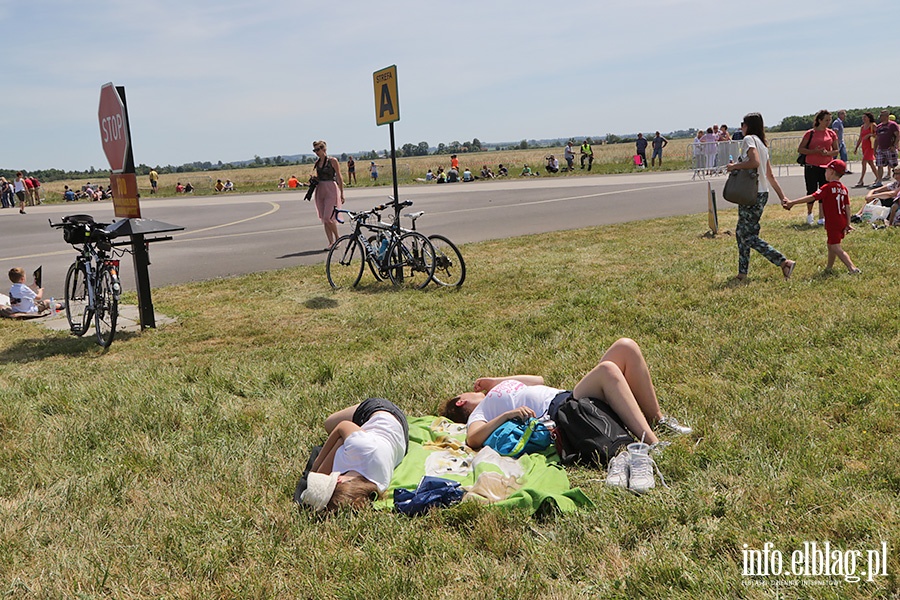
106, 311
345, 263
78, 312
411, 261
449, 266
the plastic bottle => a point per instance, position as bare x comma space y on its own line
53, 306
383, 248
730, 159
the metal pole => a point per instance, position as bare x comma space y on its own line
142, 280
394, 172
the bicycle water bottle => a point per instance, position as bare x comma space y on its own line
383, 248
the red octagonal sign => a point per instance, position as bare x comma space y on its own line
113, 128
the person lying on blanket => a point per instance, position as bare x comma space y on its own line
365, 443
621, 380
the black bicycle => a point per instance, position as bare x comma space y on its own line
407, 258
449, 266
92, 282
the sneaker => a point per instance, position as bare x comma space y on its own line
671, 425
809, 219
821, 221
877, 184
856, 272
617, 471
640, 477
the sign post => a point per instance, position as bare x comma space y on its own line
115, 134
387, 110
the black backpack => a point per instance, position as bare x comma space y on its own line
589, 432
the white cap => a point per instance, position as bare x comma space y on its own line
319, 488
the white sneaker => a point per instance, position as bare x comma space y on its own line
821, 221
671, 424
617, 471
809, 219
640, 476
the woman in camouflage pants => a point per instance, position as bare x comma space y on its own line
747, 231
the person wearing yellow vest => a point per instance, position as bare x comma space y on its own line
587, 153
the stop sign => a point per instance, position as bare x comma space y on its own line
113, 128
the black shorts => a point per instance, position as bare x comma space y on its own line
368, 407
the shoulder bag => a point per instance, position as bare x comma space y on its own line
742, 186
801, 158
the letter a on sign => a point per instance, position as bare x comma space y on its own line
387, 104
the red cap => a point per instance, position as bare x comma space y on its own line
839, 166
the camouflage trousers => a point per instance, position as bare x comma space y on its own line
747, 234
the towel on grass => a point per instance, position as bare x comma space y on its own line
437, 448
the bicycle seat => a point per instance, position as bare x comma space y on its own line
78, 219
414, 215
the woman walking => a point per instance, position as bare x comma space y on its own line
820, 146
329, 190
747, 231
867, 141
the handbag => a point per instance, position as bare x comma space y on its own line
515, 438
742, 186
801, 158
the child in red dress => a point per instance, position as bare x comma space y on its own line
835, 201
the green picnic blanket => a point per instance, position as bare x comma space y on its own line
535, 482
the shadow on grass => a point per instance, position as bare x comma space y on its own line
320, 302
36, 349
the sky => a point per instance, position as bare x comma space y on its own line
230, 79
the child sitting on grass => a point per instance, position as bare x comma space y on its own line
23, 299
835, 200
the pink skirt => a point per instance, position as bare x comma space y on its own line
328, 197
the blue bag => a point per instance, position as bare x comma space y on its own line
433, 492
515, 438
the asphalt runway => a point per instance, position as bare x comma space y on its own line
235, 234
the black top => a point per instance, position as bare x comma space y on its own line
325, 172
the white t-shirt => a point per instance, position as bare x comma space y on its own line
374, 450
751, 141
25, 296
511, 394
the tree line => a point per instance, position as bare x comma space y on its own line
854, 118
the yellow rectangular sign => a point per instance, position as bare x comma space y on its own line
125, 195
387, 104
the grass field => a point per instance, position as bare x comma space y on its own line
612, 158
165, 466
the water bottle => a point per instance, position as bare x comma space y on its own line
53, 306
383, 248
730, 159
550, 424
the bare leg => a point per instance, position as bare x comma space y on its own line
345, 414
835, 250
331, 232
622, 379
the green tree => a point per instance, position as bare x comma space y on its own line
523, 145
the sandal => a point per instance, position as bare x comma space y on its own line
787, 269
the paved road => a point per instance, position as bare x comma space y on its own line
236, 234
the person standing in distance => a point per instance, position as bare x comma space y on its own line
154, 181
659, 142
329, 191
351, 170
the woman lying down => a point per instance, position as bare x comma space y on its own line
365, 443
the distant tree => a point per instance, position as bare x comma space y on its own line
441, 148
476, 145
257, 160
523, 145
344, 157
423, 149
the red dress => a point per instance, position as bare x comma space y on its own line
868, 147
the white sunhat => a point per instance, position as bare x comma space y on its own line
319, 488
